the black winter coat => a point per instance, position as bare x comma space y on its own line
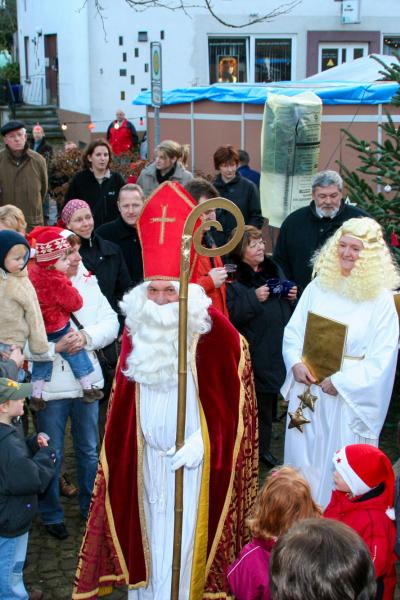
261, 323
244, 194
301, 234
25, 471
44, 149
101, 197
105, 260
126, 237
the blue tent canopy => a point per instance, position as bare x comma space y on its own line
330, 93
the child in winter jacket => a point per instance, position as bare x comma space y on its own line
284, 499
20, 316
26, 469
363, 499
58, 299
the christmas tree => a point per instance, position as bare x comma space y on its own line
375, 184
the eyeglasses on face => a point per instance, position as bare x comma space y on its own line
255, 243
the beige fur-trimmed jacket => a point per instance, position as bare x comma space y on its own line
20, 316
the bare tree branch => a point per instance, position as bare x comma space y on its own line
283, 9
185, 6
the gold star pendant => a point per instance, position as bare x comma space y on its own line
308, 399
297, 420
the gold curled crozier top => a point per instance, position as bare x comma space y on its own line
208, 205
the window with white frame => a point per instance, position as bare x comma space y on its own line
227, 59
273, 60
391, 45
334, 54
250, 59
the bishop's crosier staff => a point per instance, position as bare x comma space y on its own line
187, 238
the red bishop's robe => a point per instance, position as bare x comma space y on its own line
114, 549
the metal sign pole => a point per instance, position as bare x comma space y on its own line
156, 126
156, 87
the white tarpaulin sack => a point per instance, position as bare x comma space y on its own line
290, 141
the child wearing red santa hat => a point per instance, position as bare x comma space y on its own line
364, 499
57, 299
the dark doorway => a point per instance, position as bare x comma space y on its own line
51, 64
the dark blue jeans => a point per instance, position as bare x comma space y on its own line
84, 431
79, 362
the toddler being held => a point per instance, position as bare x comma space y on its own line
57, 299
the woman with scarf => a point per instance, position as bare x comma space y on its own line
169, 165
261, 317
101, 257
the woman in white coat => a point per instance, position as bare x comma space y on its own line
355, 276
63, 394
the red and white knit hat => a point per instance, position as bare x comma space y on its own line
364, 467
50, 246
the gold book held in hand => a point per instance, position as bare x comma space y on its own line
324, 345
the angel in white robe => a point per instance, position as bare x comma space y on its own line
355, 274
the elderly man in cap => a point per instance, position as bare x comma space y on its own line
305, 230
23, 174
129, 534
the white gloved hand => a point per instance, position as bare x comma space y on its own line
190, 455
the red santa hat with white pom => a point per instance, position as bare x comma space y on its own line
363, 468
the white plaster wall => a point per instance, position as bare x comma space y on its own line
310, 15
106, 57
69, 21
90, 60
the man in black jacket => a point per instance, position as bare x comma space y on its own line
122, 231
305, 230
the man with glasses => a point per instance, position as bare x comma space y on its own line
306, 229
23, 174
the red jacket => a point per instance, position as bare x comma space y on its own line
57, 297
123, 138
217, 295
369, 519
248, 575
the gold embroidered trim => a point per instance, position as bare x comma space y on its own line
110, 516
140, 488
197, 578
239, 436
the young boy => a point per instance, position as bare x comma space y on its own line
57, 299
26, 469
363, 499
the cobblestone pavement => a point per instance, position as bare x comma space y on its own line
51, 563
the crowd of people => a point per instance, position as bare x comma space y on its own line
89, 327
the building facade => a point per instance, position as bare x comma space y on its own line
89, 66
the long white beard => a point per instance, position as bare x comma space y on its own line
154, 332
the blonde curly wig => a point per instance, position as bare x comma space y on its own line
373, 272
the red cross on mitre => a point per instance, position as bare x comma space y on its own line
338, 460
160, 229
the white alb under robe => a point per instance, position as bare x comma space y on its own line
158, 423
356, 415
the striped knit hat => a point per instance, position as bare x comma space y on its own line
50, 246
